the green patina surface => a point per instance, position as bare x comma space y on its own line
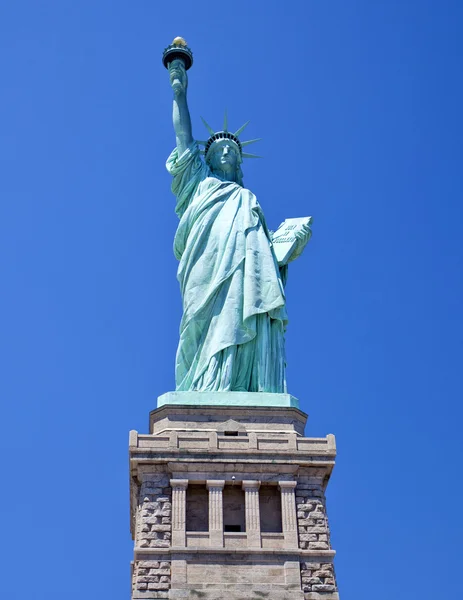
255, 399
232, 283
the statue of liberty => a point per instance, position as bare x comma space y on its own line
232, 284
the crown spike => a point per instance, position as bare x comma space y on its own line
246, 155
202, 142
241, 129
207, 126
225, 121
250, 142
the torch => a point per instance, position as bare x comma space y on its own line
178, 50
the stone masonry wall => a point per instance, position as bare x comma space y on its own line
151, 579
314, 534
318, 577
154, 513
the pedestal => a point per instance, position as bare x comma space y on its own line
228, 501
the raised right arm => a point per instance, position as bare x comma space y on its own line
181, 114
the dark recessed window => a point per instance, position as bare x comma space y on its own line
230, 433
270, 509
197, 508
233, 508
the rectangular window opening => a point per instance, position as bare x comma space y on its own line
197, 508
270, 509
234, 518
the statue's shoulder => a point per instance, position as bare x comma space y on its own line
180, 161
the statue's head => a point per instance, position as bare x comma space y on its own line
224, 152
224, 158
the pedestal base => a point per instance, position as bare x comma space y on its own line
250, 399
228, 501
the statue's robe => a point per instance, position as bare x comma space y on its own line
234, 317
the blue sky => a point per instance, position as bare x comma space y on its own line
359, 107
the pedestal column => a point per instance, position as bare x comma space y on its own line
288, 513
251, 494
215, 488
179, 511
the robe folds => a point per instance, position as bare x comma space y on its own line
234, 316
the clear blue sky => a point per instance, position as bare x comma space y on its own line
359, 107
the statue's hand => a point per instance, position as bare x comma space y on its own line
302, 236
178, 77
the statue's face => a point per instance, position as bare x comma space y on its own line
224, 158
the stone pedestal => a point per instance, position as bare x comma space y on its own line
229, 501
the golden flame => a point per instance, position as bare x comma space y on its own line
179, 41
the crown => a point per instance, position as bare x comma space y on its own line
217, 136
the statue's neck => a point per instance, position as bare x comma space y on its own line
226, 176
